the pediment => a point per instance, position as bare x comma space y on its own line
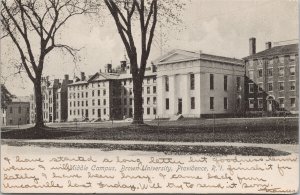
178, 55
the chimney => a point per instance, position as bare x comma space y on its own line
66, 77
100, 70
82, 76
268, 45
123, 66
108, 68
252, 46
153, 67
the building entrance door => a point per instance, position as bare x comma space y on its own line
179, 106
270, 101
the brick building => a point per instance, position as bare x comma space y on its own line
272, 85
109, 95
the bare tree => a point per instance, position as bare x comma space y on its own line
33, 26
146, 13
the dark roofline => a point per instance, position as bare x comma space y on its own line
268, 52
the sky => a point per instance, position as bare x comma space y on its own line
219, 27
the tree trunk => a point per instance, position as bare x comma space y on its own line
39, 104
138, 106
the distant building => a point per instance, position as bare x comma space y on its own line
198, 85
109, 95
272, 84
55, 100
17, 112
3, 117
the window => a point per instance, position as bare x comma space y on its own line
192, 81
167, 103
86, 94
270, 86
251, 88
167, 83
130, 101
104, 92
142, 90
154, 100
70, 104
98, 92
124, 91
281, 102
78, 95
251, 103
148, 100
82, 103
292, 70
148, 90
99, 102
93, 102
82, 94
154, 111
281, 86
130, 91
78, 103
86, 103
225, 82
125, 101
292, 85
225, 103
293, 102
270, 72
211, 81
211, 103
192, 103
104, 111
93, 93
104, 102
93, 111
154, 80
260, 87
250, 73
154, 89
260, 103
260, 73
70, 112
281, 71
124, 82
148, 111
238, 83
148, 80
99, 112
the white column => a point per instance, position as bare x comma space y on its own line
160, 96
186, 99
172, 95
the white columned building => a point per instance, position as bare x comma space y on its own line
195, 84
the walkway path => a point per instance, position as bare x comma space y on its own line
292, 148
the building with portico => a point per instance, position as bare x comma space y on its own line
196, 84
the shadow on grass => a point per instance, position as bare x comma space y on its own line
38, 133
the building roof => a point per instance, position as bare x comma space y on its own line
179, 55
276, 51
21, 99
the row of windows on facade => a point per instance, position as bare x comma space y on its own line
275, 59
269, 72
19, 110
104, 102
124, 82
281, 86
147, 88
73, 95
211, 103
211, 82
125, 112
281, 102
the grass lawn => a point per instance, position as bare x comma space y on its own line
253, 130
